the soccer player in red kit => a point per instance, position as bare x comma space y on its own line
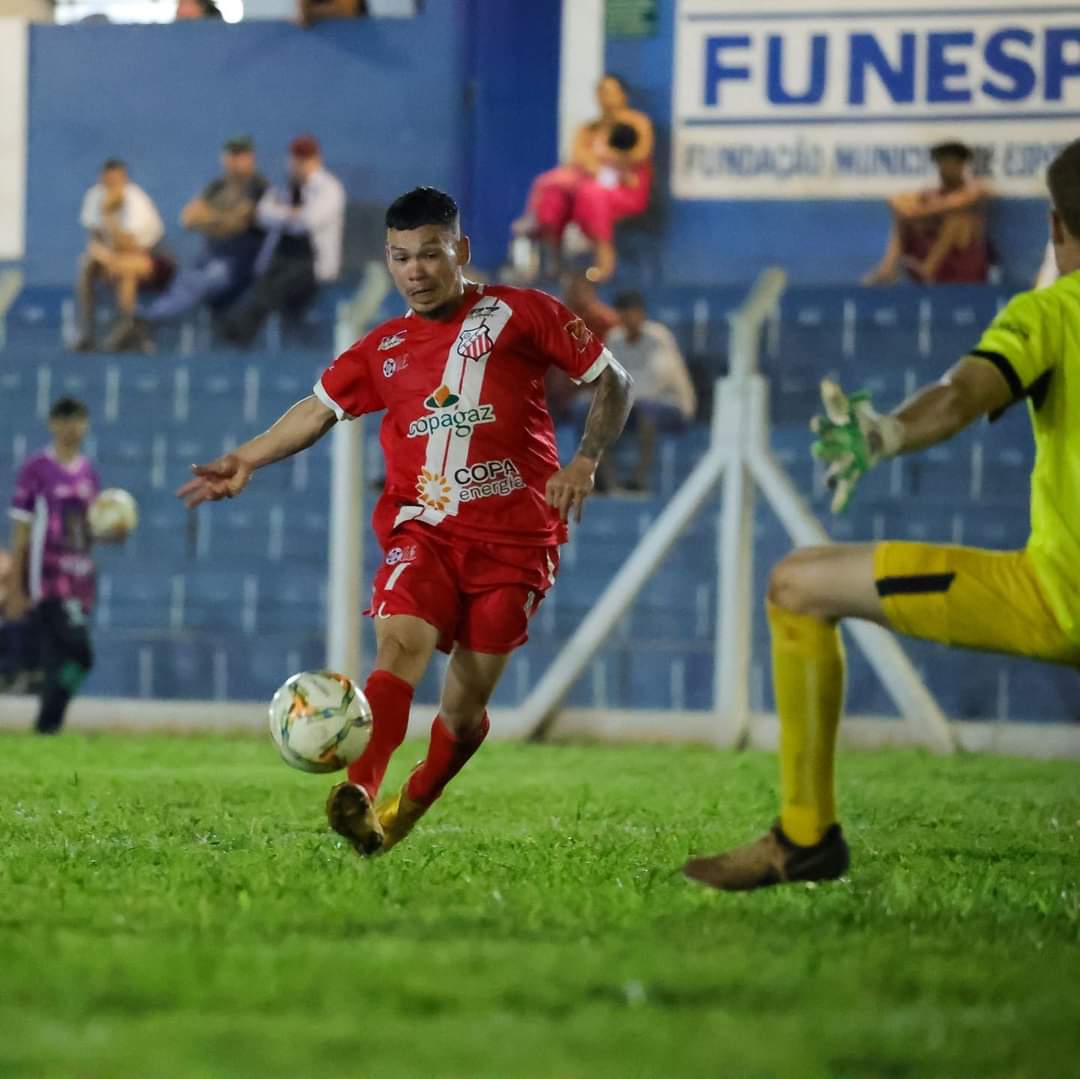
475, 505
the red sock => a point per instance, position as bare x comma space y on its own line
446, 756
390, 698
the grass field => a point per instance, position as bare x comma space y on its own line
176, 906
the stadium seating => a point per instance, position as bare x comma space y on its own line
227, 600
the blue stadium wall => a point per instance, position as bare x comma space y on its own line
394, 102
818, 241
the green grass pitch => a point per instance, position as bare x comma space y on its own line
176, 907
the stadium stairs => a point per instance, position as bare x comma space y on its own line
224, 601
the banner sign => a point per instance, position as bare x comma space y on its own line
843, 98
13, 73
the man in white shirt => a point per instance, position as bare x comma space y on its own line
305, 226
124, 247
664, 398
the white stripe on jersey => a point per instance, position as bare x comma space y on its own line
448, 451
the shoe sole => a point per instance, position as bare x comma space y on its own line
350, 813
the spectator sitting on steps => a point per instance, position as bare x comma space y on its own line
664, 398
224, 214
938, 234
126, 249
305, 225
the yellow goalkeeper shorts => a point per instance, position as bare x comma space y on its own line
971, 598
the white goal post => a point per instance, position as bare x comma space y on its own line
739, 456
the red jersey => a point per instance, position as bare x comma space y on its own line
468, 441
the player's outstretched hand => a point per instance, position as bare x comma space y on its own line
568, 488
852, 438
223, 478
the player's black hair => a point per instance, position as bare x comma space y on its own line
623, 137
631, 300
68, 408
113, 163
954, 149
422, 206
1063, 179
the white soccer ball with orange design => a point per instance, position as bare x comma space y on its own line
319, 721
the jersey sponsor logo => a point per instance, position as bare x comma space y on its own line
441, 398
475, 343
581, 333
433, 489
488, 479
392, 341
445, 416
401, 554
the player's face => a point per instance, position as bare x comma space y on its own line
113, 180
426, 265
69, 432
633, 319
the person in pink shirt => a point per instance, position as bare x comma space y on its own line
608, 177
50, 583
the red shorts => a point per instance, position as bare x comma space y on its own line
479, 595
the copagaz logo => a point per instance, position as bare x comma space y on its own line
475, 344
446, 416
433, 489
392, 341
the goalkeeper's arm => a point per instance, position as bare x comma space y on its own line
971, 389
853, 437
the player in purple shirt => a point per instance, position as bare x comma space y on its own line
52, 575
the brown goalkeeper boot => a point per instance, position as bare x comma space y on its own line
773, 859
351, 814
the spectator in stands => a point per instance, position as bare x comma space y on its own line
939, 234
664, 398
197, 9
125, 248
608, 177
305, 225
579, 294
224, 215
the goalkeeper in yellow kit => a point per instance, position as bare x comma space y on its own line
1024, 603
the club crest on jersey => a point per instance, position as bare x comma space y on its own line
392, 341
475, 344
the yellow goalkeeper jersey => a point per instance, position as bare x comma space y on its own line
1035, 343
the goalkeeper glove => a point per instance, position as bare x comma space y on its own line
852, 437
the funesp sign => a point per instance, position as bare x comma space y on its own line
791, 102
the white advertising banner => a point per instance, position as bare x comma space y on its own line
843, 98
14, 42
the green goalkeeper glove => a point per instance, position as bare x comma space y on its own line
852, 438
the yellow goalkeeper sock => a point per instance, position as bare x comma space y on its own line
808, 680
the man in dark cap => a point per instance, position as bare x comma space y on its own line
224, 215
939, 233
305, 225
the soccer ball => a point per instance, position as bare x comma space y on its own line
112, 513
319, 721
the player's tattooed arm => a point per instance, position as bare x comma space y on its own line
303, 425
610, 407
568, 488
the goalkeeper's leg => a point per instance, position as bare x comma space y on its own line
809, 592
